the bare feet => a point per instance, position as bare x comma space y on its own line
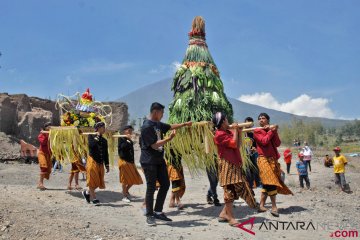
262, 209
180, 206
41, 187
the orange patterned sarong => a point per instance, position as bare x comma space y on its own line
128, 173
270, 174
77, 166
95, 174
45, 164
234, 183
176, 176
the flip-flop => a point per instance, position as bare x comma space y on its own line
222, 220
234, 224
274, 213
42, 188
69, 188
78, 188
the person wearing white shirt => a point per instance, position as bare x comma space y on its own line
307, 155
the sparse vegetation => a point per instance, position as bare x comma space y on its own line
317, 135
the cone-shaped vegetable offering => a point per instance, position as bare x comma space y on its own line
198, 89
198, 94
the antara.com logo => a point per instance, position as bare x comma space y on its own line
299, 225
276, 225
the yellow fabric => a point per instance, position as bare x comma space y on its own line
339, 164
271, 193
128, 173
45, 164
177, 175
270, 174
77, 166
95, 174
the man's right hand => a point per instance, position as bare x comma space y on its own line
172, 134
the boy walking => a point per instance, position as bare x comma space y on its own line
302, 171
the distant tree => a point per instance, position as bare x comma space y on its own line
312, 132
332, 130
351, 129
339, 139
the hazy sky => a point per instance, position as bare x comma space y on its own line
295, 56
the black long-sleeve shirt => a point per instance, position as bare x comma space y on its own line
126, 149
98, 149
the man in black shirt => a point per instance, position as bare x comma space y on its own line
152, 161
98, 157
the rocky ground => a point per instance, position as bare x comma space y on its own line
27, 213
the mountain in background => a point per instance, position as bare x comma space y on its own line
139, 102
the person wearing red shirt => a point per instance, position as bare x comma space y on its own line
267, 141
44, 156
231, 177
287, 159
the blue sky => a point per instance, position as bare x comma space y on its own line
295, 56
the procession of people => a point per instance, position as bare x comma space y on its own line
159, 172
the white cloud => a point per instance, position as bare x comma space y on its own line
175, 66
159, 69
171, 68
96, 66
303, 105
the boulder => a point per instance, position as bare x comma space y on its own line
120, 115
9, 147
31, 124
8, 114
47, 105
22, 102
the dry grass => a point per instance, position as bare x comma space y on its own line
198, 24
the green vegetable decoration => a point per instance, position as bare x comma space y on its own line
198, 94
198, 89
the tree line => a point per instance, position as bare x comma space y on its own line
317, 135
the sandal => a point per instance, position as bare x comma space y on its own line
42, 188
69, 188
78, 188
234, 224
275, 213
222, 220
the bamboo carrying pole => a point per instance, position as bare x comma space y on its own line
246, 124
82, 133
253, 129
